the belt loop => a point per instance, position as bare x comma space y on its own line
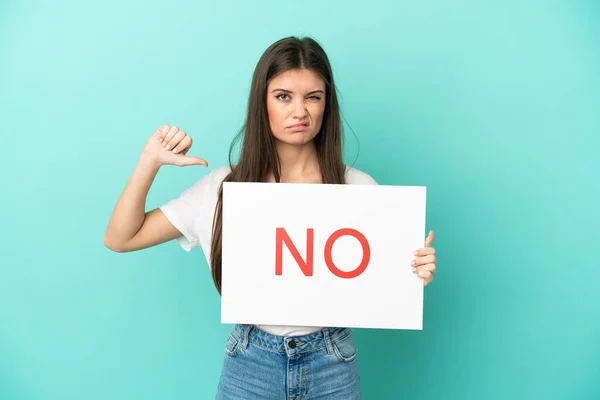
327, 340
245, 335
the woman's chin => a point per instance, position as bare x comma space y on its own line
296, 138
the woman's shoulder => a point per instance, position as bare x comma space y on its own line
218, 174
215, 177
355, 176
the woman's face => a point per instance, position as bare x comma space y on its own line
295, 104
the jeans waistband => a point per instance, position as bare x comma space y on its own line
245, 333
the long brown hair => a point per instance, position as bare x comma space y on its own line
258, 155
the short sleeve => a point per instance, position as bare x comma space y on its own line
191, 213
184, 212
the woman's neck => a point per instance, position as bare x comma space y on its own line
299, 164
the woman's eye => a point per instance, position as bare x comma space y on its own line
282, 94
315, 97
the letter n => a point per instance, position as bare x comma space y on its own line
282, 236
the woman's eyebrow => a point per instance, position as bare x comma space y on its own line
289, 91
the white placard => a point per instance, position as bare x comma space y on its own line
370, 228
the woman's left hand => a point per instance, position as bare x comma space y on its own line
424, 265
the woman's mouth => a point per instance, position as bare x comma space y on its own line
298, 127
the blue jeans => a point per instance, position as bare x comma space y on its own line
259, 365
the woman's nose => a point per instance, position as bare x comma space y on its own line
299, 108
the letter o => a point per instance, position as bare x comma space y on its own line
366, 253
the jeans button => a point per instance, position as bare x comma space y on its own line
292, 344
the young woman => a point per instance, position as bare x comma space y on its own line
292, 133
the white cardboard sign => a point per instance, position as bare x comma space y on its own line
322, 255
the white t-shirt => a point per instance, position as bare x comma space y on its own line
192, 213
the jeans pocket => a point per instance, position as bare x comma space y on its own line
344, 348
232, 345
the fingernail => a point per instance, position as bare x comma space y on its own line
416, 252
168, 147
412, 262
415, 270
175, 150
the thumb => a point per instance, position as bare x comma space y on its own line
185, 161
429, 239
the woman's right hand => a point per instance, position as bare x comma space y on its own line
169, 145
